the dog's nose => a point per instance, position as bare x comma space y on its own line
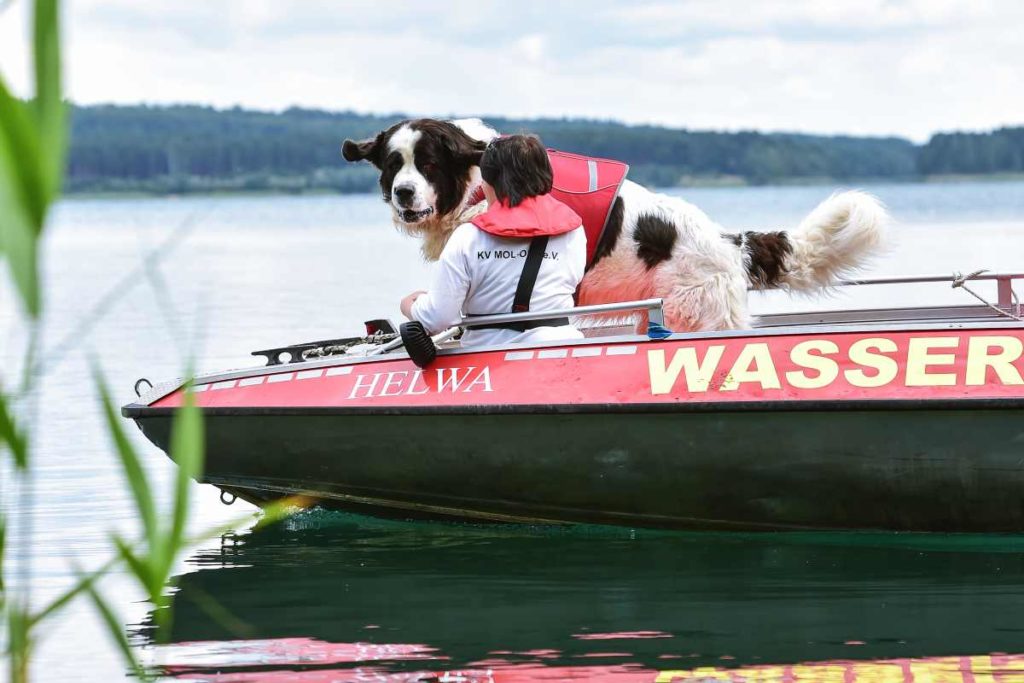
404, 194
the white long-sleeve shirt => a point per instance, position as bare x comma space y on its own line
477, 274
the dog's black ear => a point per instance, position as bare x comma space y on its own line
474, 155
367, 149
464, 148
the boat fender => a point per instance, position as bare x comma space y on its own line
418, 343
225, 500
140, 381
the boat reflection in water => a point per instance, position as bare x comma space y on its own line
329, 596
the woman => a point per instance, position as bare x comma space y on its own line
527, 252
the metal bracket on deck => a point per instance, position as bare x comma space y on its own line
294, 352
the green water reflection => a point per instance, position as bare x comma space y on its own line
475, 594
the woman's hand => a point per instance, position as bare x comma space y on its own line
407, 302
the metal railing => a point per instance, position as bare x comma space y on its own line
652, 306
1004, 282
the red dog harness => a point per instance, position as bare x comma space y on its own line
588, 186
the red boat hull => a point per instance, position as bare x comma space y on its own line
911, 429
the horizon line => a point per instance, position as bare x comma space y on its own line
399, 116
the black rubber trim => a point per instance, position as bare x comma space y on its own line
135, 410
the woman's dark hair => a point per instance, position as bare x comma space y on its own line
517, 167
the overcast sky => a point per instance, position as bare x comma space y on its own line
905, 67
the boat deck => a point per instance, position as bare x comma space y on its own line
1006, 307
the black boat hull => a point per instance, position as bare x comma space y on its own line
912, 466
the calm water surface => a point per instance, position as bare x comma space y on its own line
329, 597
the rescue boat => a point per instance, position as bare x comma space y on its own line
901, 419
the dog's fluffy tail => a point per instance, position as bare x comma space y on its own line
834, 241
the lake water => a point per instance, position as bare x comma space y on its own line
142, 286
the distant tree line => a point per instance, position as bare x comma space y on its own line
1001, 151
190, 149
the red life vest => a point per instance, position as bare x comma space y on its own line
532, 217
587, 185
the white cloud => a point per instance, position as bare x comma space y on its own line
906, 67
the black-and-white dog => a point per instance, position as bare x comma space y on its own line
654, 245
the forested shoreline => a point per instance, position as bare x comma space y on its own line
182, 149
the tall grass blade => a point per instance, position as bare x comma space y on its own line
19, 137
281, 509
71, 593
131, 465
10, 435
187, 450
19, 643
143, 571
22, 207
3, 547
218, 613
50, 108
116, 632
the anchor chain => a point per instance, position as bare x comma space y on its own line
339, 349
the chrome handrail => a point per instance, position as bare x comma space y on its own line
652, 306
928, 278
1004, 282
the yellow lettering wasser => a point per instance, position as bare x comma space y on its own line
827, 369
754, 364
861, 354
698, 373
920, 358
868, 363
980, 357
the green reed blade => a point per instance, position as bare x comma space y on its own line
3, 547
132, 467
10, 435
187, 450
116, 631
19, 642
51, 111
71, 593
138, 566
22, 203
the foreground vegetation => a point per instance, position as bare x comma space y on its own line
33, 137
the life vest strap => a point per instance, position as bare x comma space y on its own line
524, 292
528, 278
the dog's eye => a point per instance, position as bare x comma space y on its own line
429, 168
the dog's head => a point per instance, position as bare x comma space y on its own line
428, 168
